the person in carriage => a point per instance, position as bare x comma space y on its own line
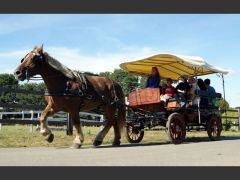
154, 79
168, 90
182, 90
211, 91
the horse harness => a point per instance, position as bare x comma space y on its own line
84, 90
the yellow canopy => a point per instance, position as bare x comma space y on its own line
172, 66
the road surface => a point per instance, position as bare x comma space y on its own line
199, 153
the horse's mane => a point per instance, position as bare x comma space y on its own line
59, 66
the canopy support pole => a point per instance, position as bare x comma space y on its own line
199, 99
224, 97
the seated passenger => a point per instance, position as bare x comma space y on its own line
193, 84
182, 90
211, 91
154, 79
192, 91
202, 87
168, 91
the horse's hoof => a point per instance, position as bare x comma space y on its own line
116, 143
50, 138
97, 143
75, 146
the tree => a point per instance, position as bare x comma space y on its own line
119, 75
30, 98
127, 81
8, 81
222, 104
130, 83
143, 81
105, 74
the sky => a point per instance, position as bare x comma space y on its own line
100, 42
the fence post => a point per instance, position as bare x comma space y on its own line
22, 115
1, 115
101, 120
69, 125
31, 126
238, 119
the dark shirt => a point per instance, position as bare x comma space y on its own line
183, 86
153, 82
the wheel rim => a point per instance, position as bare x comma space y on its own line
133, 133
177, 128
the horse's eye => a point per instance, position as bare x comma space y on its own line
22, 60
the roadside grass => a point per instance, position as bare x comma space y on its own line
20, 136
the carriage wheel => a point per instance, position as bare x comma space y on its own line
176, 128
214, 128
134, 134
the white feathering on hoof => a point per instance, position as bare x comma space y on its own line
45, 132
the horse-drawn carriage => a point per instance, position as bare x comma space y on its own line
72, 92
146, 110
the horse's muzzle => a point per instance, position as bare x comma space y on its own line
20, 75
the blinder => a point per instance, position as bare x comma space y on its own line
37, 59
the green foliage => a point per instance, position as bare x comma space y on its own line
30, 98
222, 104
143, 81
128, 82
8, 81
105, 74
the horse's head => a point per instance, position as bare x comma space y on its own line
30, 64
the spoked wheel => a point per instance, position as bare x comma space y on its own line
134, 134
176, 128
214, 128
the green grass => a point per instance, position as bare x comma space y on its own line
20, 136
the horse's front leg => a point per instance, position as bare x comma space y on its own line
44, 130
77, 142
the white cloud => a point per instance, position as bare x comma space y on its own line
74, 59
95, 63
13, 54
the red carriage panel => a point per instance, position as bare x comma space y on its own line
144, 96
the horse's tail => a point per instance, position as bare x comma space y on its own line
121, 114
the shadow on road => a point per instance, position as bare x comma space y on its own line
136, 144
206, 139
190, 140
186, 141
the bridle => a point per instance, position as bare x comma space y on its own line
36, 59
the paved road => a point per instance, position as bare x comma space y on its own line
225, 152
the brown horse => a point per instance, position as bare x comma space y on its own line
73, 92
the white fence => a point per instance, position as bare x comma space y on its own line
28, 117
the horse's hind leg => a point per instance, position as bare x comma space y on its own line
118, 126
110, 114
77, 142
44, 130
117, 135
